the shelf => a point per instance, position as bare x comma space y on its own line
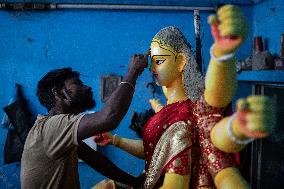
275, 76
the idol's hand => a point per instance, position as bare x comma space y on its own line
138, 63
229, 29
155, 104
103, 139
256, 116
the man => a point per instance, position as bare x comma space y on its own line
51, 152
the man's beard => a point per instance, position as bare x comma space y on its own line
82, 104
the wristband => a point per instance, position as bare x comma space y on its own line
128, 83
231, 134
221, 58
157, 106
113, 139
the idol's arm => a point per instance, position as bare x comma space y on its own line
175, 181
220, 83
255, 115
133, 147
230, 178
229, 30
255, 118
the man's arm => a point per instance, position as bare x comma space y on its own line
109, 117
105, 167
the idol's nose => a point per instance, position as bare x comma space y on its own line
152, 67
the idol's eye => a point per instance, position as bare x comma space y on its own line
160, 61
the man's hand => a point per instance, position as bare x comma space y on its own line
104, 166
139, 181
138, 62
256, 116
229, 29
104, 139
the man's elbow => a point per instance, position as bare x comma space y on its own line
112, 119
111, 126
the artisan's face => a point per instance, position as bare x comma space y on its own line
79, 95
164, 65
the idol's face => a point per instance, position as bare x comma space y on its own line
164, 64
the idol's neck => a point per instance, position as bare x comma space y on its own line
175, 92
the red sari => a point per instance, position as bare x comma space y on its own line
208, 160
167, 137
177, 140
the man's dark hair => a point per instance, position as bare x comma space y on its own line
53, 80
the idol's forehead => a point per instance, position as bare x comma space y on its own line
159, 48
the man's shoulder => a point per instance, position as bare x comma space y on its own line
63, 117
40, 120
60, 122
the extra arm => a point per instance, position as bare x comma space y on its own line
220, 83
229, 30
255, 118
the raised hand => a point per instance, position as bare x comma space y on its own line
104, 139
256, 116
138, 62
229, 29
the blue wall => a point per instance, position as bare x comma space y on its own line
95, 43
268, 22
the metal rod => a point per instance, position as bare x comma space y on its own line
44, 6
198, 47
132, 7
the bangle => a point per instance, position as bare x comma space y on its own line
157, 106
128, 83
113, 139
231, 134
221, 58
